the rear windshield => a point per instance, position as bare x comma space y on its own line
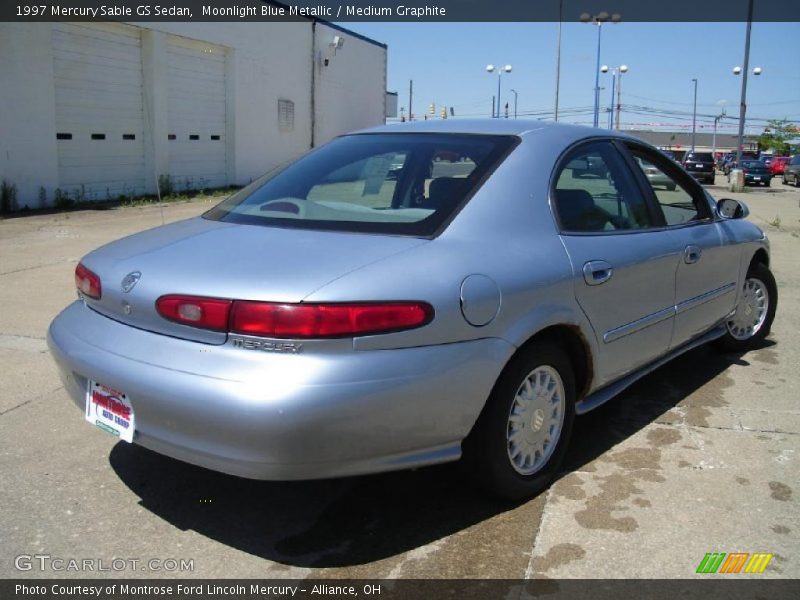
753, 164
700, 156
398, 183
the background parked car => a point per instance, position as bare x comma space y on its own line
700, 165
778, 163
731, 164
755, 173
791, 171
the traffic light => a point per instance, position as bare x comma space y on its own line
432, 108
444, 112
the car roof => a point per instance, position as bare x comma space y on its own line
518, 127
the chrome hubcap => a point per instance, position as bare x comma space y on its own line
535, 420
751, 310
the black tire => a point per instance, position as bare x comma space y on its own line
486, 449
784, 181
730, 343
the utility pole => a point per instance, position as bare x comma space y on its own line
694, 114
410, 100
743, 101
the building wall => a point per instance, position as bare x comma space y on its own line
267, 65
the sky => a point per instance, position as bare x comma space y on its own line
447, 62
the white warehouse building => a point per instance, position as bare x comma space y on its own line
99, 110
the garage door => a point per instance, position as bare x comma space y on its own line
196, 114
98, 109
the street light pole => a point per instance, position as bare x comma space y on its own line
616, 87
499, 77
694, 115
611, 105
622, 69
597, 77
515, 102
558, 57
500, 71
598, 20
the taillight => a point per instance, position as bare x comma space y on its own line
87, 282
326, 320
206, 313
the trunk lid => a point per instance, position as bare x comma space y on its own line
224, 260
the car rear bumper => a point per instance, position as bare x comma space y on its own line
761, 178
282, 416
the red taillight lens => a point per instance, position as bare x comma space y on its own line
326, 320
87, 282
206, 313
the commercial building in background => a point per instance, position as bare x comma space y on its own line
680, 142
99, 110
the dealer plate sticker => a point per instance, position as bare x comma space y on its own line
110, 410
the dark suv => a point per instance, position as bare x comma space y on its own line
700, 165
791, 172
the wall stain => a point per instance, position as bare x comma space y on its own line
742, 481
780, 491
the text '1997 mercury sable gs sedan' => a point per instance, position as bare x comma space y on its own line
410, 295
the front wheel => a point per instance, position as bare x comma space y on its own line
755, 311
521, 436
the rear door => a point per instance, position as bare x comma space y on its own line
708, 264
623, 264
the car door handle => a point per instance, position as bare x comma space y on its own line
691, 254
596, 272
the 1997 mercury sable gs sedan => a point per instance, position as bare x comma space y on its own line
409, 295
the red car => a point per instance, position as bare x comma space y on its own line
778, 164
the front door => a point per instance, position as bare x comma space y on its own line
707, 269
623, 264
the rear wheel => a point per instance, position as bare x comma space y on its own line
521, 436
755, 311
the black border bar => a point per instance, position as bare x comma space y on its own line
707, 587
398, 10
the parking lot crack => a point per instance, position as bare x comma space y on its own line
31, 401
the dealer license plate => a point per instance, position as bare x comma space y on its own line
110, 410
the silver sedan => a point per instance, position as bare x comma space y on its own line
374, 306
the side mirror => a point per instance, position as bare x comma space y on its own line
728, 208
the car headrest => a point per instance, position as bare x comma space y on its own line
573, 207
444, 189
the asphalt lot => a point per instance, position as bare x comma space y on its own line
700, 456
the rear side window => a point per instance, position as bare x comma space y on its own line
594, 192
402, 183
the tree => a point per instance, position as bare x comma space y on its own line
776, 135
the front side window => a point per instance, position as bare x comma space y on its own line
594, 192
403, 183
676, 201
